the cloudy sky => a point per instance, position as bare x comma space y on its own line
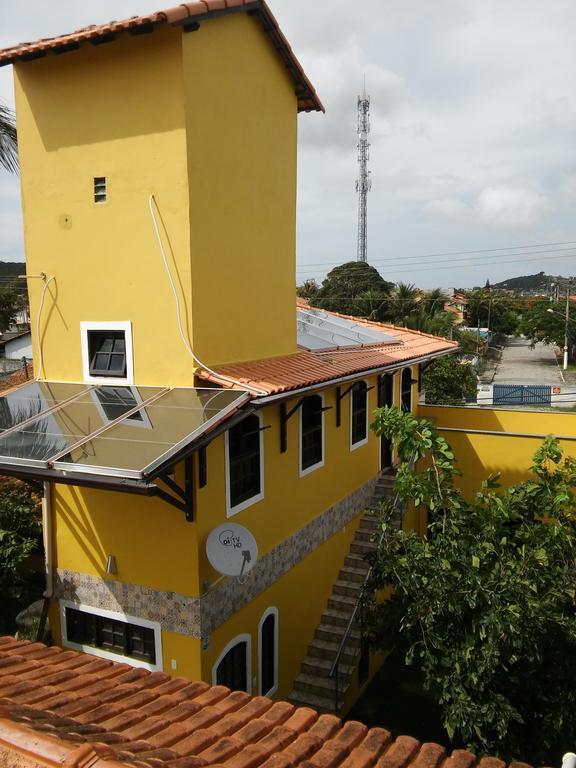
473, 112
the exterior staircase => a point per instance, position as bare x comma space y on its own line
314, 687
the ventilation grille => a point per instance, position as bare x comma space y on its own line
99, 189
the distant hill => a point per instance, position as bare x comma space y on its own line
12, 268
539, 283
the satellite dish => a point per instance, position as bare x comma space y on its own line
231, 549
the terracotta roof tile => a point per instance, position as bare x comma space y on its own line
304, 368
148, 720
178, 15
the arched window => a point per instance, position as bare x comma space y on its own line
232, 668
244, 455
268, 652
359, 414
311, 434
406, 390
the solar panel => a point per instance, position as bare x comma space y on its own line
319, 330
116, 431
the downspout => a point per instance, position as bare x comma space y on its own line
47, 536
48, 560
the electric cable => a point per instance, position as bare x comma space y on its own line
40, 353
151, 203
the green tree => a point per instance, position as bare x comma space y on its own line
491, 309
448, 381
484, 603
404, 302
354, 288
20, 529
538, 324
10, 303
8, 145
308, 289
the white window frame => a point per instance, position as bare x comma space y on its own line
318, 464
143, 423
272, 611
157, 667
360, 443
231, 511
109, 325
243, 638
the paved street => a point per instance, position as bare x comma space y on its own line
522, 365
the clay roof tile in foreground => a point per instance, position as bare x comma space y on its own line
177, 16
60, 707
304, 369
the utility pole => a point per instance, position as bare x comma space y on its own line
363, 183
566, 325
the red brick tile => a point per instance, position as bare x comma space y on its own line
279, 713
302, 719
187, 762
430, 756
276, 740
303, 747
279, 760
491, 762
325, 727
517, 764
369, 750
222, 750
196, 743
253, 731
460, 758
250, 757
213, 695
400, 753
171, 734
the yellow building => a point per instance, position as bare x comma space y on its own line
178, 395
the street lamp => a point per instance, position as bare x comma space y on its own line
567, 320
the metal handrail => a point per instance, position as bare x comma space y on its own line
336, 664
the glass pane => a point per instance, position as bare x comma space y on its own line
42, 439
104, 344
120, 345
100, 362
29, 401
169, 423
117, 362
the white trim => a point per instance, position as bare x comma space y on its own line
303, 472
360, 443
231, 511
243, 638
142, 422
268, 612
115, 325
157, 667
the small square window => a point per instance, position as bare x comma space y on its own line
107, 353
99, 189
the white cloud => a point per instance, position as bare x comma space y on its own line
510, 207
448, 207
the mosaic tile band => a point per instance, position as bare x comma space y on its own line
199, 617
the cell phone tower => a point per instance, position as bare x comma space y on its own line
363, 183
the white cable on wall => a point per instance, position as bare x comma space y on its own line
40, 355
151, 203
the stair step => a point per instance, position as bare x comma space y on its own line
336, 617
353, 575
335, 634
344, 604
363, 547
356, 561
327, 649
366, 534
321, 704
315, 665
319, 686
345, 587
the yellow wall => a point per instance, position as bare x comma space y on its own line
241, 133
111, 110
501, 450
207, 122
297, 617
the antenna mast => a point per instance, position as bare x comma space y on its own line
363, 183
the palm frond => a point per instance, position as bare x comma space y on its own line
8, 140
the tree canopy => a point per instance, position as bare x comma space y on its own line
354, 288
447, 381
490, 309
538, 324
483, 604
